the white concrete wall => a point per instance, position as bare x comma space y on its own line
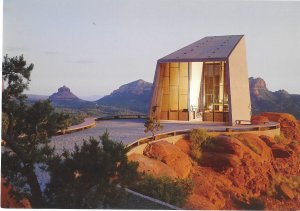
239, 99
195, 72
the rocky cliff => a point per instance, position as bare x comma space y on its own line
235, 172
134, 96
263, 100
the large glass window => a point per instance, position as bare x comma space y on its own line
175, 91
215, 92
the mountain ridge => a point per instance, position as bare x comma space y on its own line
134, 97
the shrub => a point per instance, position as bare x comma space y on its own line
279, 139
292, 182
256, 204
171, 191
197, 137
293, 144
152, 125
210, 143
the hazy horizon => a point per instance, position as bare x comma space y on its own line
93, 47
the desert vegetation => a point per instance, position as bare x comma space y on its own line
174, 192
152, 125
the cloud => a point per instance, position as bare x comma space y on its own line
50, 52
83, 61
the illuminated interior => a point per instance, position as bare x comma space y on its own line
215, 92
174, 104
193, 91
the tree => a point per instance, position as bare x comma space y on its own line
171, 191
27, 133
152, 125
89, 176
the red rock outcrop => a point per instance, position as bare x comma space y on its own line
289, 126
171, 155
234, 170
184, 145
258, 120
151, 166
245, 160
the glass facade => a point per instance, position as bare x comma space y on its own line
174, 104
215, 92
211, 98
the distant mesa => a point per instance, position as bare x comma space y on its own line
64, 93
137, 87
134, 96
64, 98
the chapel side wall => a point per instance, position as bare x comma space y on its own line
156, 93
240, 104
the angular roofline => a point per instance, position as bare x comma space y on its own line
201, 59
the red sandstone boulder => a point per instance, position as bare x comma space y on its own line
244, 159
152, 166
295, 146
259, 120
257, 145
199, 202
171, 155
212, 189
184, 145
286, 191
289, 126
219, 161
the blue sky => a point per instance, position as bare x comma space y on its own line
94, 46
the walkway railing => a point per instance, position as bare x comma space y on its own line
229, 129
88, 123
122, 117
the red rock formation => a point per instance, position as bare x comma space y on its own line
151, 166
184, 145
258, 120
171, 155
289, 126
235, 169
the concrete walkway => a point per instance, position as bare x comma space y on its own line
128, 131
88, 123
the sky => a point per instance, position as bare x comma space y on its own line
95, 46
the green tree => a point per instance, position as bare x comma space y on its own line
152, 125
171, 191
89, 177
27, 133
